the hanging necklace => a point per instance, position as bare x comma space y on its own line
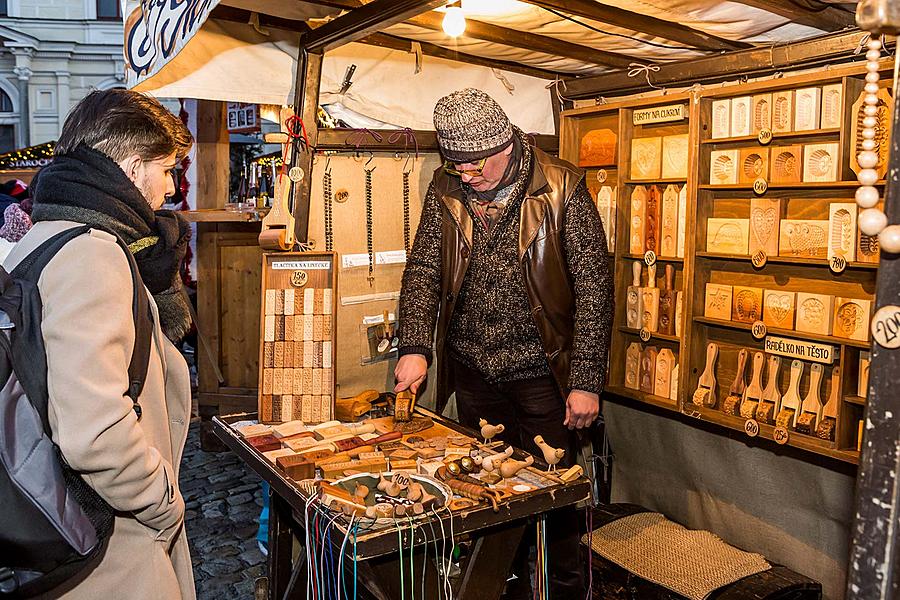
369, 243
329, 227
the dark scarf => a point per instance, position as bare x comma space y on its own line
86, 186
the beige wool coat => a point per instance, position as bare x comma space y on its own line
88, 331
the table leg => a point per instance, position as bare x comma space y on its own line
280, 543
486, 569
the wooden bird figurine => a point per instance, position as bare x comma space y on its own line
491, 462
509, 468
551, 455
488, 431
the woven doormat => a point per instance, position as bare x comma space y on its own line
691, 563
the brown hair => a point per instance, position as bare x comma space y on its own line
120, 123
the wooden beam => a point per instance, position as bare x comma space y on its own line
395, 140
757, 61
811, 13
239, 15
668, 30
479, 30
398, 43
362, 21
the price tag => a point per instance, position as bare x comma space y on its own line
759, 259
645, 334
781, 435
650, 257
341, 196
886, 326
602, 175
751, 427
837, 264
296, 174
760, 186
765, 136
758, 329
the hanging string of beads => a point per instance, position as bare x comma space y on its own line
406, 244
329, 207
369, 242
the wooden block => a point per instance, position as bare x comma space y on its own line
319, 301
851, 318
317, 382
287, 407
270, 302
318, 327
633, 309
782, 111
654, 219
727, 236
298, 444
309, 295
765, 215
862, 384
785, 164
667, 299
633, 366
288, 354
682, 219
308, 354
831, 116
673, 391
883, 116
267, 381
324, 433
842, 231
269, 328
675, 156
679, 314
717, 304
279, 327
665, 362
268, 355
274, 455
807, 239
761, 109
747, 304
598, 148
740, 116
723, 167
278, 361
298, 354
279, 302
289, 301
606, 206
326, 355
277, 381
264, 443
814, 313
646, 158
650, 301
327, 301
753, 164
648, 369
867, 246
290, 325
298, 328
265, 408
290, 429
296, 467
404, 465
807, 104
318, 355
308, 327
820, 162
638, 220
721, 119
778, 309
668, 241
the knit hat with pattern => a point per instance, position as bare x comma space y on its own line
471, 125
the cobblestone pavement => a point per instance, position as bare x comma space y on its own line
222, 501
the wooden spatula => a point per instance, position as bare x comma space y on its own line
753, 393
790, 403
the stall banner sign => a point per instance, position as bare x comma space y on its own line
820, 353
658, 114
309, 265
242, 117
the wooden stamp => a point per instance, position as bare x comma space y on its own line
650, 302
682, 219
679, 314
268, 355
290, 327
638, 220
278, 361
319, 301
606, 206
765, 216
646, 158
327, 301
741, 116
308, 327
675, 156
867, 246
668, 241
770, 403
811, 409
327, 326
753, 164
673, 391
885, 108
814, 313
747, 303
654, 218
269, 328
820, 162
782, 111
790, 402
718, 301
832, 102
289, 299
267, 381
723, 167
732, 403
761, 109
778, 309
785, 164
309, 351
753, 393
705, 394
633, 307
667, 304
862, 384
721, 119
598, 148
727, 236
851, 318
326, 355
807, 104
665, 363
279, 302
648, 369
828, 419
803, 238
842, 231
277, 382
288, 354
309, 295
270, 302
633, 366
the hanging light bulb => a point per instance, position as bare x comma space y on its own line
454, 23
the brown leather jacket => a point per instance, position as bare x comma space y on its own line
541, 254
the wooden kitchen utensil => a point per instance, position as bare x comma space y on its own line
811, 409
790, 402
633, 309
732, 403
705, 394
667, 297
828, 421
770, 403
650, 301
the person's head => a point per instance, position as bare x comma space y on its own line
475, 137
136, 132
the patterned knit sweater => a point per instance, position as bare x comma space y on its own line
492, 329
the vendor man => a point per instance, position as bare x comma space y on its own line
510, 263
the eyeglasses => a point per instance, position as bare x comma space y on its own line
450, 168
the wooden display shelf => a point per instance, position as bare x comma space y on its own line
663, 259
653, 335
786, 260
855, 400
775, 136
809, 185
827, 339
608, 167
640, 396
655, 181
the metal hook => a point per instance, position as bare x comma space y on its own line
327, 162
371, 158
406, 162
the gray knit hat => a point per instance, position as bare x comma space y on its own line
470, 125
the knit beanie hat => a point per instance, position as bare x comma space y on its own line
16, 223
471, 125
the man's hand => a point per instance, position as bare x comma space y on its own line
410, 372
582, 409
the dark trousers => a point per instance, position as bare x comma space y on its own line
528, 408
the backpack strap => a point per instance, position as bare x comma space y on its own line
30, 269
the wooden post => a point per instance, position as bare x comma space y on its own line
212, 159
306, 103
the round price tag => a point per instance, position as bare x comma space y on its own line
751, 427
759, 259
602, 176
758, 329
837, 264
781, 435
296, 174
341, 196
760, 186
765, 136
886, 326
645, 334
650, 257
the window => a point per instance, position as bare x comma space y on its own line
7, 138
6, 104
107, 10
